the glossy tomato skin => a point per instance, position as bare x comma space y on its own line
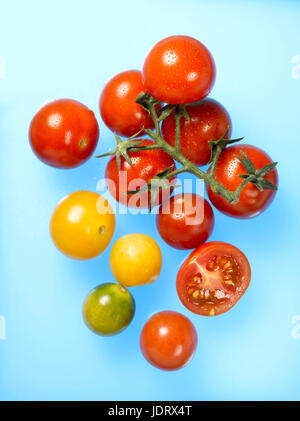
168, 340
213, 278
135, 259
64, 133
179, 70
82, 225
252, 202
145, 165
108, 309
118, 107
187, 223
208, 121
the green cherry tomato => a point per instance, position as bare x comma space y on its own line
108, 309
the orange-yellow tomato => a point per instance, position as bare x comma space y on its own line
135, 259
82, 225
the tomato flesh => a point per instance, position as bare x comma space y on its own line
213, 278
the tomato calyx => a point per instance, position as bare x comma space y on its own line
102, 229
218, 145
82, 143
256, 176
122, 149
146, 100
159, 182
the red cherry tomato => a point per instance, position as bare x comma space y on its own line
168, 340
252, 201
179, 70
213, 278
208, 121
64, 133
145, 165
118, 108
186, 222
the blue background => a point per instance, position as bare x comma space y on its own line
69, 49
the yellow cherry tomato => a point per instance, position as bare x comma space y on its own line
82, 225
135, 259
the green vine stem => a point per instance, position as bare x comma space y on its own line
149, 103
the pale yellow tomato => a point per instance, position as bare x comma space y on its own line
135, 259
82, 224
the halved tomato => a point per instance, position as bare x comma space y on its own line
213, 278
